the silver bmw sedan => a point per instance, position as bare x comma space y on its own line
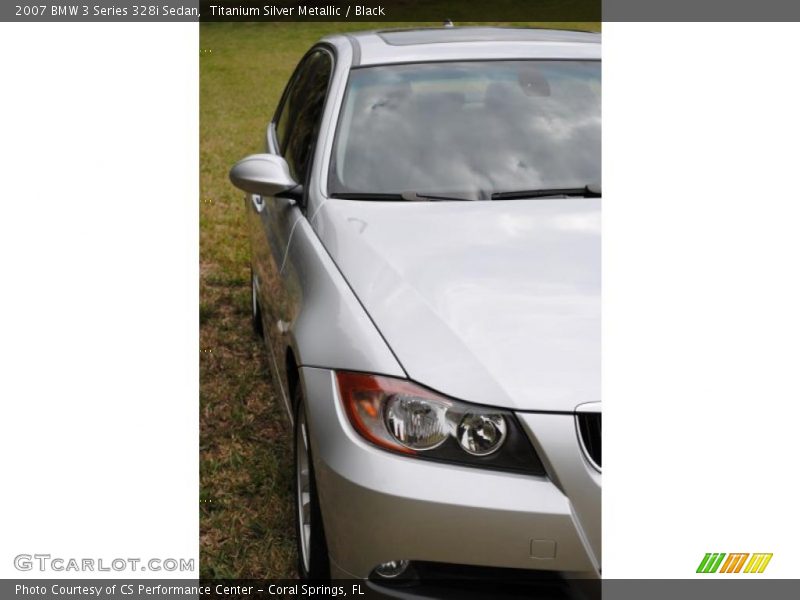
425, 227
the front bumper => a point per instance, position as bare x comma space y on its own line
378, 506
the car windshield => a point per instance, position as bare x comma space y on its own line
468, 129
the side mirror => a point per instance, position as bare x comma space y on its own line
263, 174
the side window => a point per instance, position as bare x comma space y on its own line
282, 120
298, 123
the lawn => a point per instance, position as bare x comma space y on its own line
246, 520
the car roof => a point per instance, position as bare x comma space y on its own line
391, 46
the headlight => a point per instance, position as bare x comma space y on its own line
415, 422
403, 417
481, 435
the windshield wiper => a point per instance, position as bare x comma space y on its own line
366, 196
589, 191
417, 197
405, 196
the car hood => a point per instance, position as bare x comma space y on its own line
490, 302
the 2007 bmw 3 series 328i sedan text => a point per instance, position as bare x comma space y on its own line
425, 230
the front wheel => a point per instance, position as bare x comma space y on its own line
312, 549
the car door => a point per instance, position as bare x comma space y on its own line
292, 134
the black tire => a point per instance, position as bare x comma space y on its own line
258, 325
316, 564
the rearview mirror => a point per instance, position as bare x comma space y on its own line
263, 174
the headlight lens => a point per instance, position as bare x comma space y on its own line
401, 416
415, 422
481, 435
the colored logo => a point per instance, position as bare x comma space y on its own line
719, 562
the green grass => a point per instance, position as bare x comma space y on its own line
246, 519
